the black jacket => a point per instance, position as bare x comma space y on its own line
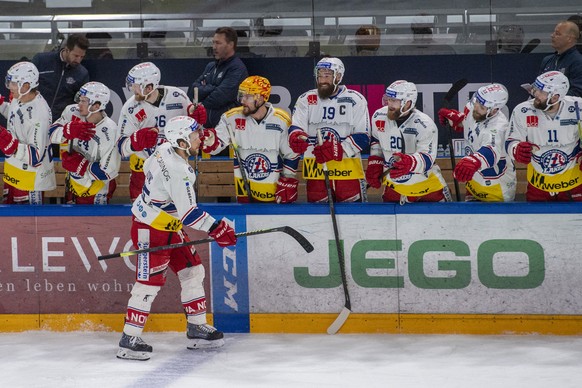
569, 63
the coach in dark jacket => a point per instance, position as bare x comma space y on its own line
218, 85
61, 74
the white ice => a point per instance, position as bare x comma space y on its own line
87, 359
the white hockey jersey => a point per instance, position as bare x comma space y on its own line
30, 168
553, 166
141, 114
263, 147
101, 151
496, 180
168, 200
344, 117
417, 136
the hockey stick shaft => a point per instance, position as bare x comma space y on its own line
453, 91
337, 324
285, 229
241, 165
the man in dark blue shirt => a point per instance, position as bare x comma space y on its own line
567, 59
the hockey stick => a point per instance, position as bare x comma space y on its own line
241, 165
460, 84
305, 244
530, 46
197, 182
578, 119
343, 316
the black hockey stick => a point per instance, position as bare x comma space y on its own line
241, 165
460, 84
305, 244
530, 46
343, 316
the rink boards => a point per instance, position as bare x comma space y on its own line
435, 268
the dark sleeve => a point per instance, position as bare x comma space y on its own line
226, 92
575, 78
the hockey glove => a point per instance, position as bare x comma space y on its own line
1, 100
198, 113
454, 117
374, 171
522, 152
222, 233
286, 190
298, 141
466, 168
330, 150
8, 142
405, 165
74, 163
209, 140
81, 130
144, 138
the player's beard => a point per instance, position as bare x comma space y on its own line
478, 117
394, 114
139, 97
248, 112
325, 90
540, 105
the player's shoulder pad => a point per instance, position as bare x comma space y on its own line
380, 113
312, 91
354, 93
283, 115
234, 111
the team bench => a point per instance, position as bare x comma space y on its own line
216, 182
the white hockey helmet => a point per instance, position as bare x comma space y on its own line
333, 64
493, 96
143, 75
554, 83
95, 92
404, 91
22, 73
180, 128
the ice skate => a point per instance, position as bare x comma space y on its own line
204, 337
133, 348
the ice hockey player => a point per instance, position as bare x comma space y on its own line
403, 150
144, 116
260, 132
167, 203
488, 172
341, 116
544, 134
28, 167
92, 158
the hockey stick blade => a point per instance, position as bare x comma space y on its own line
460, 84
305, 244
530, 46
339, 321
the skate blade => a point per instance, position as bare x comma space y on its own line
205, 344
127, 354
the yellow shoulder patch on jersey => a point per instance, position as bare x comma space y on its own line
234, 111
283, 115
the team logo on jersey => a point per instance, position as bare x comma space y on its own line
531, 121
141, 115
553, 161
328, 133
258, 166
381, 125
240, 124
312, 99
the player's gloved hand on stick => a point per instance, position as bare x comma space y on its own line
1, 100
74, 162
222, 233
198, 113
81, 130
331, 149
522, 152
454, 117
298, 141
144, 138
466, 168
405, 164
209, 140
286, 190
374, 171
8, 142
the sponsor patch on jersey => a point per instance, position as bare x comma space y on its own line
312, 99
411, 131
349, 100
141, 115
419, 121
258, 166
531, 121
273, 127
381, 125
174, 106
553, 161
240, 124
566, 122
